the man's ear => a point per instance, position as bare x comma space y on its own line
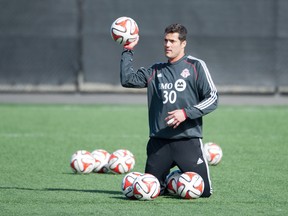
183, 43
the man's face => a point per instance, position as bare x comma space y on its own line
174, 48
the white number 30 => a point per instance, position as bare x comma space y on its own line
170, 97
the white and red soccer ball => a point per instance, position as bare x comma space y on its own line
101, 160
190, 185
124, 30
146, 187
82, 162
121, 161
127, 184
213, 153
171, 181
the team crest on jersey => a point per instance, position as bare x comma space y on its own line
185, 73
180, 85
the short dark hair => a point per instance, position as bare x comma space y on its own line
177, 28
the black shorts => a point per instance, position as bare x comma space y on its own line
187, 154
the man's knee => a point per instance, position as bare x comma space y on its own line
206, 194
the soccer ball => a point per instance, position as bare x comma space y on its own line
105, 169
82, 162
146, 187
121, 161
127, 184
101, 159
213, 153
124, 30
190, 185
171, 181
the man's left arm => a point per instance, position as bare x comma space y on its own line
207, 93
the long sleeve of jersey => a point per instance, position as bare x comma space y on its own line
128, 77
208, 96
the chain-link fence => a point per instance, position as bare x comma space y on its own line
65, 45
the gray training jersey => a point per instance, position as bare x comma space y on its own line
185, 84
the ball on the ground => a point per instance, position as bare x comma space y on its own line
190, 185
124, 30
213, 153
121, 161
171, 181
105, 169
101, 159
82, 161
127, 184
146, 187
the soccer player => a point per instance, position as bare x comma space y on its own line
180, 92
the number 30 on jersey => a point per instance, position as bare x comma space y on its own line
170, 95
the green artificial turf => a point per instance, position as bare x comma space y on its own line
37, 142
